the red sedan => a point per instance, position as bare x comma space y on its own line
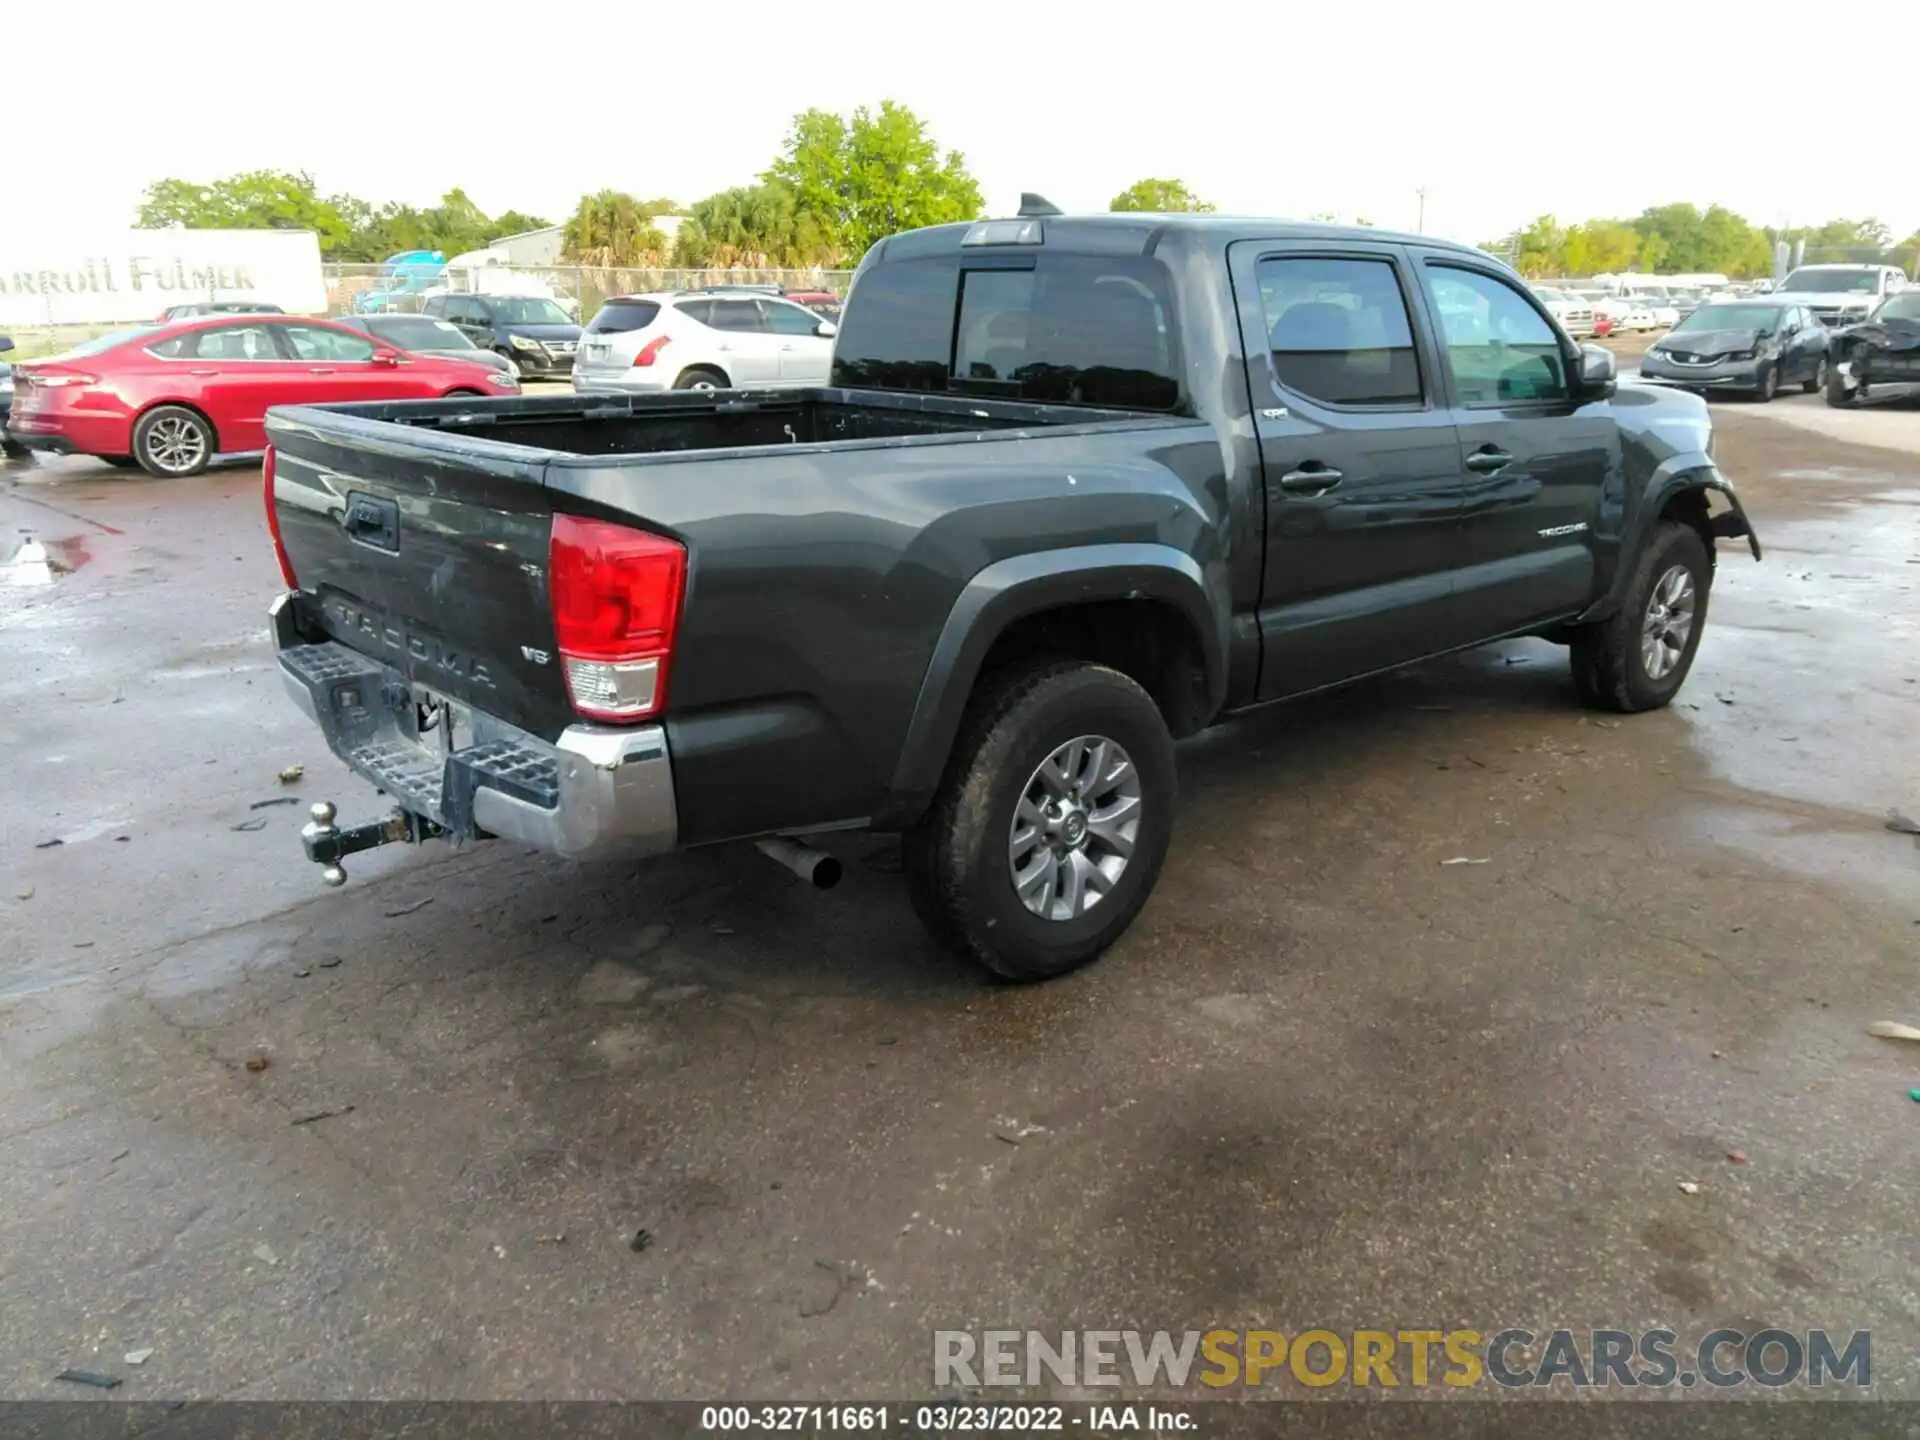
170, 397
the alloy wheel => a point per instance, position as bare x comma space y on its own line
1669, 623
176, 444
1075, 828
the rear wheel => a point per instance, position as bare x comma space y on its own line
1817, 381
1052, 823
700, 377
1639, 658
173, 442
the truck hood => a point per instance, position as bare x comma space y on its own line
1842, 298
1657, 422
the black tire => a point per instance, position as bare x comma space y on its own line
1817, 381
1839, 396
119, 462
1769, 385
956, 860
701, 377
463, 395
162, 434
12, 449
1609, 669
513, 365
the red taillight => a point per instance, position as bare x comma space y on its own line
273, 522
616, 596
652, 348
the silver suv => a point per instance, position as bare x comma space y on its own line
702, 340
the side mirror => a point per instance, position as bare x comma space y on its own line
826, 329
384, 356
6, 342
1598, 374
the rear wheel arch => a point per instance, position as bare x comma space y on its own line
206, 419
1142, 610
689, 378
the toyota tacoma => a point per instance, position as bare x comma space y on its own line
1079, 486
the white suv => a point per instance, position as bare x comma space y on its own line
702, 340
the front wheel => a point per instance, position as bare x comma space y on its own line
1839, 394
173, 442
1817, 381
1769, 385
1639, 658
1052, 823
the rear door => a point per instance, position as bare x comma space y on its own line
749, 350
1538, 462
1361, 465
237, 371
805, 354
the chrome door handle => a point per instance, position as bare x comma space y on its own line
320, 370
1485, 462
1310, 481
203, 372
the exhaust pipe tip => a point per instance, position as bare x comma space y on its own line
816, 867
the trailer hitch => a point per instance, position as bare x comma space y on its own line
327, 844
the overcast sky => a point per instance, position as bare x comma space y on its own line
1282, 109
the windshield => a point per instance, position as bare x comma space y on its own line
419, 332
1905, 306
100, 344
1732, 317
1849, 282
528, 312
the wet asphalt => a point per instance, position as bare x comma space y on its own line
398, 1140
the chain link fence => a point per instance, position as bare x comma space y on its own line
580, 290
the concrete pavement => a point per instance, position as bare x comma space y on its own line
397, 1140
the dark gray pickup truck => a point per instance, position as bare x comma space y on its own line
1080, 486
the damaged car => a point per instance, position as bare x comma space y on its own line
1878, 359
1751, 347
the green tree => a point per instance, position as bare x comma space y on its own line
612, 228
1158, 197
514, 222
1601, 247
752, 225
875, 174
251, 200
1540, 249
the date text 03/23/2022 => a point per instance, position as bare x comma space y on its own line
945, 1419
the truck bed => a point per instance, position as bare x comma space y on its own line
828, 535
683, 421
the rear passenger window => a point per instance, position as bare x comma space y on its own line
737, 315
1499, 347
1075, 330
1338, 330
701, 310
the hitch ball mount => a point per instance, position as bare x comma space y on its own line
327, 844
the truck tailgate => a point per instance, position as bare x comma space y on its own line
431, 560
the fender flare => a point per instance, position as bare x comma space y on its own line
1690, 470
1021, 585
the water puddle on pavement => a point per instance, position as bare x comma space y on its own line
32, 563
